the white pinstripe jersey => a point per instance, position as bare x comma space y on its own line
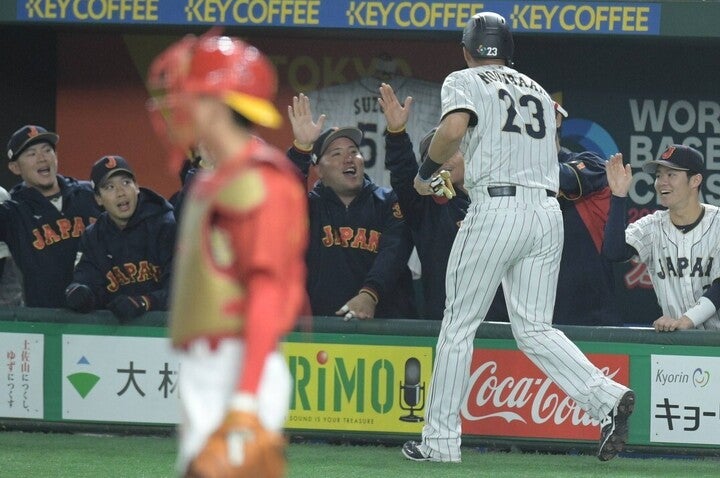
514, 139
355, 104
681, 266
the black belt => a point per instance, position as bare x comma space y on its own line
495, 191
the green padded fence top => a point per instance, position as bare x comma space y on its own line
401, 327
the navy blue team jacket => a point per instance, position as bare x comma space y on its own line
433, 223
136, 260
44, 241
375, 256
586, 285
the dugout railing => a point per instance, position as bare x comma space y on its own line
361, 381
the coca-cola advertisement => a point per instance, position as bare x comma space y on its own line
509, 396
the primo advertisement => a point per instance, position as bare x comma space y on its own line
358, 387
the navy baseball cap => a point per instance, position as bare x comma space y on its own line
108, 166
677, 156
321, 144
26, 137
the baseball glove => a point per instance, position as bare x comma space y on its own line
240, 448
442, 185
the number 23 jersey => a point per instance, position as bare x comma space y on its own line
511, 135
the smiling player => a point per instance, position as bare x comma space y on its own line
679, 245
359, 241
44, 217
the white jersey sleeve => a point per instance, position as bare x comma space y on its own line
511, 136
455, 95
681, 265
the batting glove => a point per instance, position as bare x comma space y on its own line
442, 185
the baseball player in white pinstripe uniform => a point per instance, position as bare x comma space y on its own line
679, 245
504, 122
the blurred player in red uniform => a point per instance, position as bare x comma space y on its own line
239, 276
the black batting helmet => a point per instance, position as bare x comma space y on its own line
487, 35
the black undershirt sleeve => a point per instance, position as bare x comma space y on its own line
713, 293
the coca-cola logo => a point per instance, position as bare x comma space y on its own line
524, 399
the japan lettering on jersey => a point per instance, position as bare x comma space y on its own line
681, 265
513, 142
355, 104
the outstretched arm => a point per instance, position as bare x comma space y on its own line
399, 155
445, 143
305, 132
581, 174
615, 248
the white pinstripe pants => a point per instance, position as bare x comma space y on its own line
517, 240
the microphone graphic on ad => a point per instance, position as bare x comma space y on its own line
412, 393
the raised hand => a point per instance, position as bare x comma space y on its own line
305, 130
396, 114
619, 175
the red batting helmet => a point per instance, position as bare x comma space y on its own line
228, 68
